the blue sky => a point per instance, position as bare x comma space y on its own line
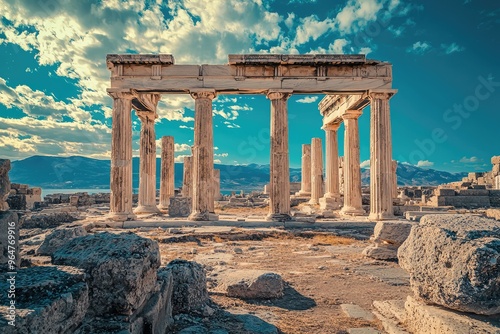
444, 53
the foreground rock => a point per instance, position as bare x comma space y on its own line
122, 269
48, 220
48, 300
58, 238
387, 238
251, 284
189, 286
4, 184
453, 261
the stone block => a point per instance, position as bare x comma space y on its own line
189, 286
357, 312
251, 284
473, 192
478, 186
453, 261
49, 299
179, 206
17, 202
58, 238
493, 213
445, 192
426, 319
385, 253
392, 232
121, 268
48, 220
9, 221
469, 202
495, 160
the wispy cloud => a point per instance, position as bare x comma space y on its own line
419, 47
308, 99
452, 48
365, 164
425, 163
466, 160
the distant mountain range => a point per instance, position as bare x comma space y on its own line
86, 173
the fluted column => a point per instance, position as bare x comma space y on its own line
216, 184
147, 166
316, 171
279, 186
331, 200
381, 179
120, 206
187, 177
394, 179
305, 182
203, 157
352, 172
167, 176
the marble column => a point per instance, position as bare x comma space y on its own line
279, 185
305, 182
331, 200
167, 186
203, 157
352, 171
147, 166
316, 171
394, 179
216, 184
381, 180
120, 206
187, 177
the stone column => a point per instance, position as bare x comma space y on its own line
147, 167
187, 177
352, 171
305, 182
216, 184
120, 206
331, 200
167, 186
394, 179
316, 171
203, 157
381, 180
279, 187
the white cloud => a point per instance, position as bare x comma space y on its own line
466, 160
180, 158
419, 47
425, 163
365, 164
357, 14
452, 48
221, 155
308, 99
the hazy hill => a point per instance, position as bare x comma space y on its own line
80, 173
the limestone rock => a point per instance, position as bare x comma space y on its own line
454, 261
189, 286
381, 252
121, 268
179, 206
9, 221
58, 238
48, 220
392, 232
251, 284
49, 299
4, 183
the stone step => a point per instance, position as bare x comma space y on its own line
357, 312
392, 314
363, 330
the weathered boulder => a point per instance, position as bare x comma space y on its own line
387, 237
9, 236
251, 284
4, 184
59, 237
179, 206
189, 286
381, 252
121, 268
48, 220
52, 299
454, 261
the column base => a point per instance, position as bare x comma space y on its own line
203, 216
278, 217
352, 211
144, 209
330, 203
313, 202
121, 216
303, 194
381, 216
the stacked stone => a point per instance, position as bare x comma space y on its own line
22, 197
387, 237
495, 161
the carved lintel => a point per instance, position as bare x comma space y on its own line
203, 94
383, 95
352, 114
279, 94
331, 127
121, 95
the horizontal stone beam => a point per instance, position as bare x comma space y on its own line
296, 59
333, 107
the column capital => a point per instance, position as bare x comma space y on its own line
331, 126
146, 115
277, 94
127, 95
381, 94
146, 101
203, 93
352, 114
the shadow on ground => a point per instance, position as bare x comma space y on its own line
292, 300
